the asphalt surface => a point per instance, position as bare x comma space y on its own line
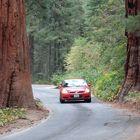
78, 121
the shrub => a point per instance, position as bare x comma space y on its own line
8, 115
107, 86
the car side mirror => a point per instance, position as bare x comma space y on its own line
89, 84
60, 86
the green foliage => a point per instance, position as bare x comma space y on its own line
56, 25
133, 24
39, 104
99, 56
58, 78
104, 73
73, 59
105, 24
107, 86
9, 115
133, 97
41, 81
81, 54
84, 37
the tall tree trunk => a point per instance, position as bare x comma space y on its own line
15, 81
31, 46
132, 66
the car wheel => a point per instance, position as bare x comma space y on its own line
62, 101
88, 101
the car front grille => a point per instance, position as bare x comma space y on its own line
75, 92
78, 97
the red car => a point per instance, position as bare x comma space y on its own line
74, 90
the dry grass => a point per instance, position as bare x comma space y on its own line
12, 119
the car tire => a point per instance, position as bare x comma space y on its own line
61, 101
88, 101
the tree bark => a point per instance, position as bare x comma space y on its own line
31, 46
15, 81
132, 66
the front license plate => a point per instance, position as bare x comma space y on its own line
76, 96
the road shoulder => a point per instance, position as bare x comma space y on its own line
134, 109
32, 118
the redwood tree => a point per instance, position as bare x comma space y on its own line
132, 66
15, 81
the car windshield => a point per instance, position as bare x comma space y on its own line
75, 83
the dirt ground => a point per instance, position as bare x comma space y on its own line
134, 108
31, 118
131, 106
136, 135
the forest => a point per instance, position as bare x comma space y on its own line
78, 38
58, 39
44, 42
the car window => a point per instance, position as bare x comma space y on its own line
74, 83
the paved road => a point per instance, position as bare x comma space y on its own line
78, 121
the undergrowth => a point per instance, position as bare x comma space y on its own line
9, 115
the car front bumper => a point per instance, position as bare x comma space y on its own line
71, 97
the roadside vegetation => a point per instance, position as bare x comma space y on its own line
133, 97
83, 39
9, 115
99, 56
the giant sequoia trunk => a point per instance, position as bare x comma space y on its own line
15, 82
132, 66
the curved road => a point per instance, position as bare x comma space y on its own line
78, 121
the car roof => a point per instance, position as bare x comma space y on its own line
76, 79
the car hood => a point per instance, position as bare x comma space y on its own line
73, 89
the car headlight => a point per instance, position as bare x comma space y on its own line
87, 90
64, 91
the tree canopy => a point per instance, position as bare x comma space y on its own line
56, 25
81, 38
